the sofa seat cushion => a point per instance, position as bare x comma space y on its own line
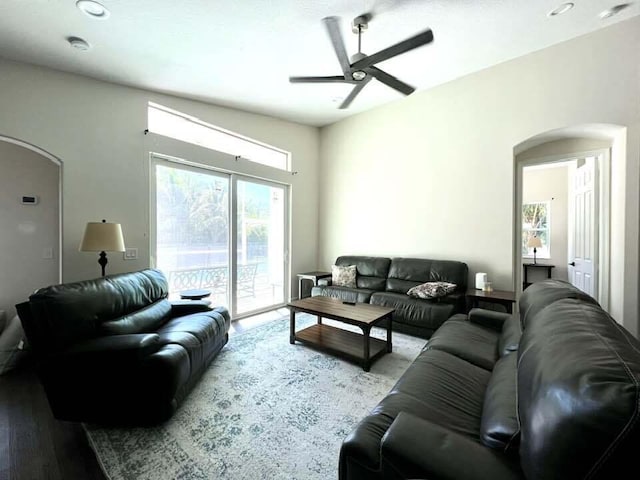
186, 340
437, 387
499, 427
413, 311
360, 295
469, 341
204, 326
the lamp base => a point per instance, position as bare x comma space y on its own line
534, 258
103, 261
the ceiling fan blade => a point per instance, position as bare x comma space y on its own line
356, 90
390, 80
333, 28
333, 79
402, 47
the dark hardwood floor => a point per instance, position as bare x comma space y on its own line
36, 446
33, 444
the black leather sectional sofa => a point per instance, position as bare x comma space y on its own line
553, 393
385, 282
114, 350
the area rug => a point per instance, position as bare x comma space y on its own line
264, 409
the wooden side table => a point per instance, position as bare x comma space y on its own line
313, 276
501, 297
535, 266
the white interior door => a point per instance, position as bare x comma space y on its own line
583, 227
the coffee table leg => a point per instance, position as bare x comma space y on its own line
389, 346
367, 361
319, 320
292, 326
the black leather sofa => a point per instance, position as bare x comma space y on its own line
385, 281
561, 400
114, 350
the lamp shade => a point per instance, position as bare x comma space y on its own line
102, 237
534, 242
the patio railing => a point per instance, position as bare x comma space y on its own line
215, 279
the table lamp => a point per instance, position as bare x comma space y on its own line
102, 237
534, 242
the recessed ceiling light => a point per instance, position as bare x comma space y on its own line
79, 43
565, 7
93, 9
610, 12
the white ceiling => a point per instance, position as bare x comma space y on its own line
240, 53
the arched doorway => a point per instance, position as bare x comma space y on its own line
571, 147
30, 215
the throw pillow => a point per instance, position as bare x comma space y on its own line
431, 290
343, 276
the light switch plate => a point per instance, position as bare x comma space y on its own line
131, 254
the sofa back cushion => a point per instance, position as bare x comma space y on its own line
371, 272
64, 314
540, 294
578, 393
146, 320
406, 273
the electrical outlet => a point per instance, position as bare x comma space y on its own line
131, 254
47, 252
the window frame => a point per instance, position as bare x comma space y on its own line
546, 253
219, 131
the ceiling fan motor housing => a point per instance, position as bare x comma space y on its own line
357, 56
360, 23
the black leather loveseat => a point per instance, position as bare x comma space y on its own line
114, 350
385, 282
561, 401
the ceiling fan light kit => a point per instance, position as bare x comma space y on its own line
359, 69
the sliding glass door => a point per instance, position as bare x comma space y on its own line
222, 233
260, 246
192, 230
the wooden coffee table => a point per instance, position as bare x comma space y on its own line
361, 348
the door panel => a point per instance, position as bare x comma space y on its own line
261, 245
583, 227
192, 230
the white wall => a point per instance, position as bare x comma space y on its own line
550, 184
432, 175
96, 129
27, 230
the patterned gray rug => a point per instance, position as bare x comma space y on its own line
264, 409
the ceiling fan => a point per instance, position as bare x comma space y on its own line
359, 69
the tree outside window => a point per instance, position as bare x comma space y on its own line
535, 223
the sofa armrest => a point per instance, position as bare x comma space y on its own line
488, 318
111, 349
417, 448
187, 307
324, 282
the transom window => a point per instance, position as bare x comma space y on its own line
174, 124
535, 223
